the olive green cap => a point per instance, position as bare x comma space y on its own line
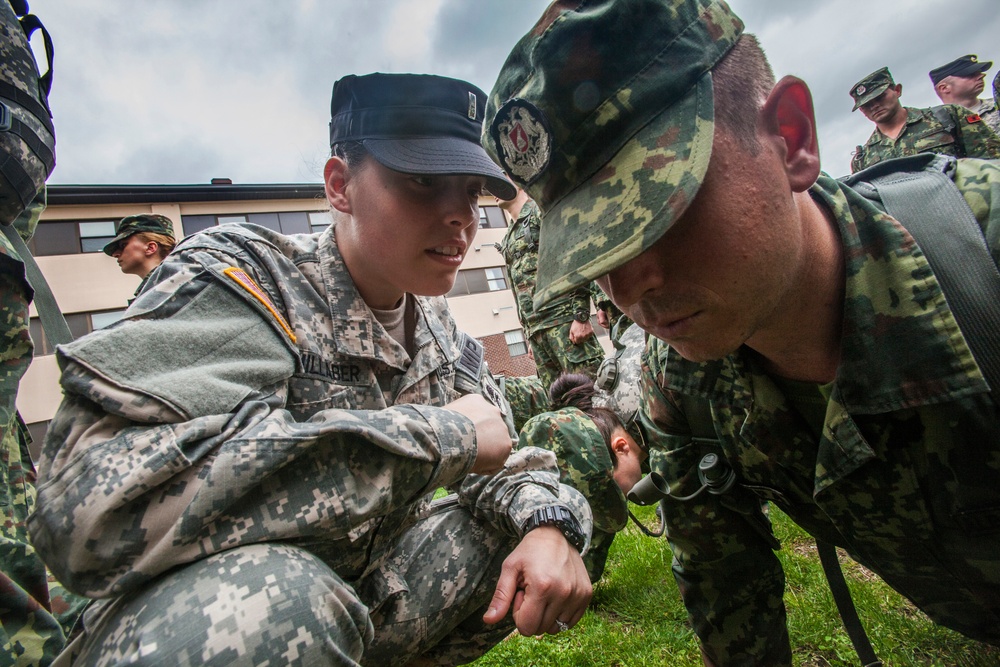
143, 222
870, 87
604, 114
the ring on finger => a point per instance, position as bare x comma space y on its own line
562, 625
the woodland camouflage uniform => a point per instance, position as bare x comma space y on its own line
897, 461
924, 133
547, 328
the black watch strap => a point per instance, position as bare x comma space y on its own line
562, 518
581, 316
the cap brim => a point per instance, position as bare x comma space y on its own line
974, 68
113, 243
869, 96
628, 205
441, 156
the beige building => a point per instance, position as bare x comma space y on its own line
92, 292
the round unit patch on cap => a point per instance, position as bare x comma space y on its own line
603, 112
523, 140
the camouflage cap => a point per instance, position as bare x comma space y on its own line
584, 462
143, 222
604, 114
870, 87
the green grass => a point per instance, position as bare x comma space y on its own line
636, 618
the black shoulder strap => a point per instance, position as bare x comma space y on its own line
943, 114
920, 193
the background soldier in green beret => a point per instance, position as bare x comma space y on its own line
960, 82
141, 243
899, 130
672, 168
560, 334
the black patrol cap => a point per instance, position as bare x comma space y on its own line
964, 66
417, 124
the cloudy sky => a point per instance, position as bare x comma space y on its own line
183, 91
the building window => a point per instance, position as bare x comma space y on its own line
477, 281
515, 342
71, 237
285, 222
80, 324
491, 217
495, 279
319, 220
95, 235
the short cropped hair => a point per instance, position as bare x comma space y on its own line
742, 80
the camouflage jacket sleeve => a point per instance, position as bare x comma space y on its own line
730, 579
976, 136
158, 457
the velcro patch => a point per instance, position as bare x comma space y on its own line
240, 277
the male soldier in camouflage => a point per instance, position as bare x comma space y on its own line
35, 614
242, 468
840, 386
960, 82
560, 334
948, 129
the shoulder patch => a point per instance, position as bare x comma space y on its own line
240, 277
470, 362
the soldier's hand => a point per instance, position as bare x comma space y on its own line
603, 319
580, 331
544, 584
492, 437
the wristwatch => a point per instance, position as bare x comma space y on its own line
560, 517
581, 316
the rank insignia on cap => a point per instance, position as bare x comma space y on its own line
973, 59
523, 140
241, 278
860, 90
472, 106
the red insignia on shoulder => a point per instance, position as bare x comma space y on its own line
973, 118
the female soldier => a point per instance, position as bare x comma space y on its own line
242, 466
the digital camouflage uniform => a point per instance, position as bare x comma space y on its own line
547, 328
903, 473
924, 133
251, 428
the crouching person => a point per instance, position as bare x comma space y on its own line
242, 468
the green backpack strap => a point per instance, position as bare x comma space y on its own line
920, 193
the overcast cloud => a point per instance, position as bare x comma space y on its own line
183, 91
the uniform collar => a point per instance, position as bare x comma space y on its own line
358, 334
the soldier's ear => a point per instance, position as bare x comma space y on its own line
789, 122
336, 175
